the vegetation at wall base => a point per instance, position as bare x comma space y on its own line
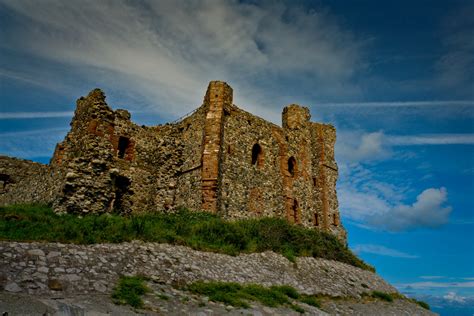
198, 230
239, 295
382, 295
129, 291
421, 303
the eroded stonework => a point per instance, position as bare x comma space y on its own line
220, 159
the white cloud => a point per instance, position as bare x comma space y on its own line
355, 146
360, 206
378, 201
165, 52
383, 251
453, 297
428, 211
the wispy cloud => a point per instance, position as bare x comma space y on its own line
382, 251
31, 143
355, 146
34, 132
34, 115
359, 146
430, 284
431, 277
389, 208
449, 103
431, 139
164, 61
454, 68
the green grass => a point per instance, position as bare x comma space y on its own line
381, 295
239, 295
421, 303
198, 230
129, 291
163, 296
310, 300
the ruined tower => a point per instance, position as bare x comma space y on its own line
219, 159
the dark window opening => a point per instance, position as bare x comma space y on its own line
123, 144
292, 166
122, 185
257, 155
5, 179
315, 183
316, 219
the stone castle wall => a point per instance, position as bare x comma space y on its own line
24, 181
220, 159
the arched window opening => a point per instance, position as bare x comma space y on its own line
316, 219
315, 182
257, 155
292, 166
123, 144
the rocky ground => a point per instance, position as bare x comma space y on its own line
167, 300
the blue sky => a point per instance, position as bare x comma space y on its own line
395, 77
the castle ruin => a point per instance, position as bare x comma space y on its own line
220, 159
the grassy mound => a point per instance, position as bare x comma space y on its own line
239, 295
129, 291
198, 230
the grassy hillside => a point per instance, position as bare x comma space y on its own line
198, 230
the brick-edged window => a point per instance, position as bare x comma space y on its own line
292, 166
123, 144
257, 155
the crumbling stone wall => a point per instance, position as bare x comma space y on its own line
220, 159
113, 165
24, 181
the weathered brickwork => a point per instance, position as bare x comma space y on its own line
220, 159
